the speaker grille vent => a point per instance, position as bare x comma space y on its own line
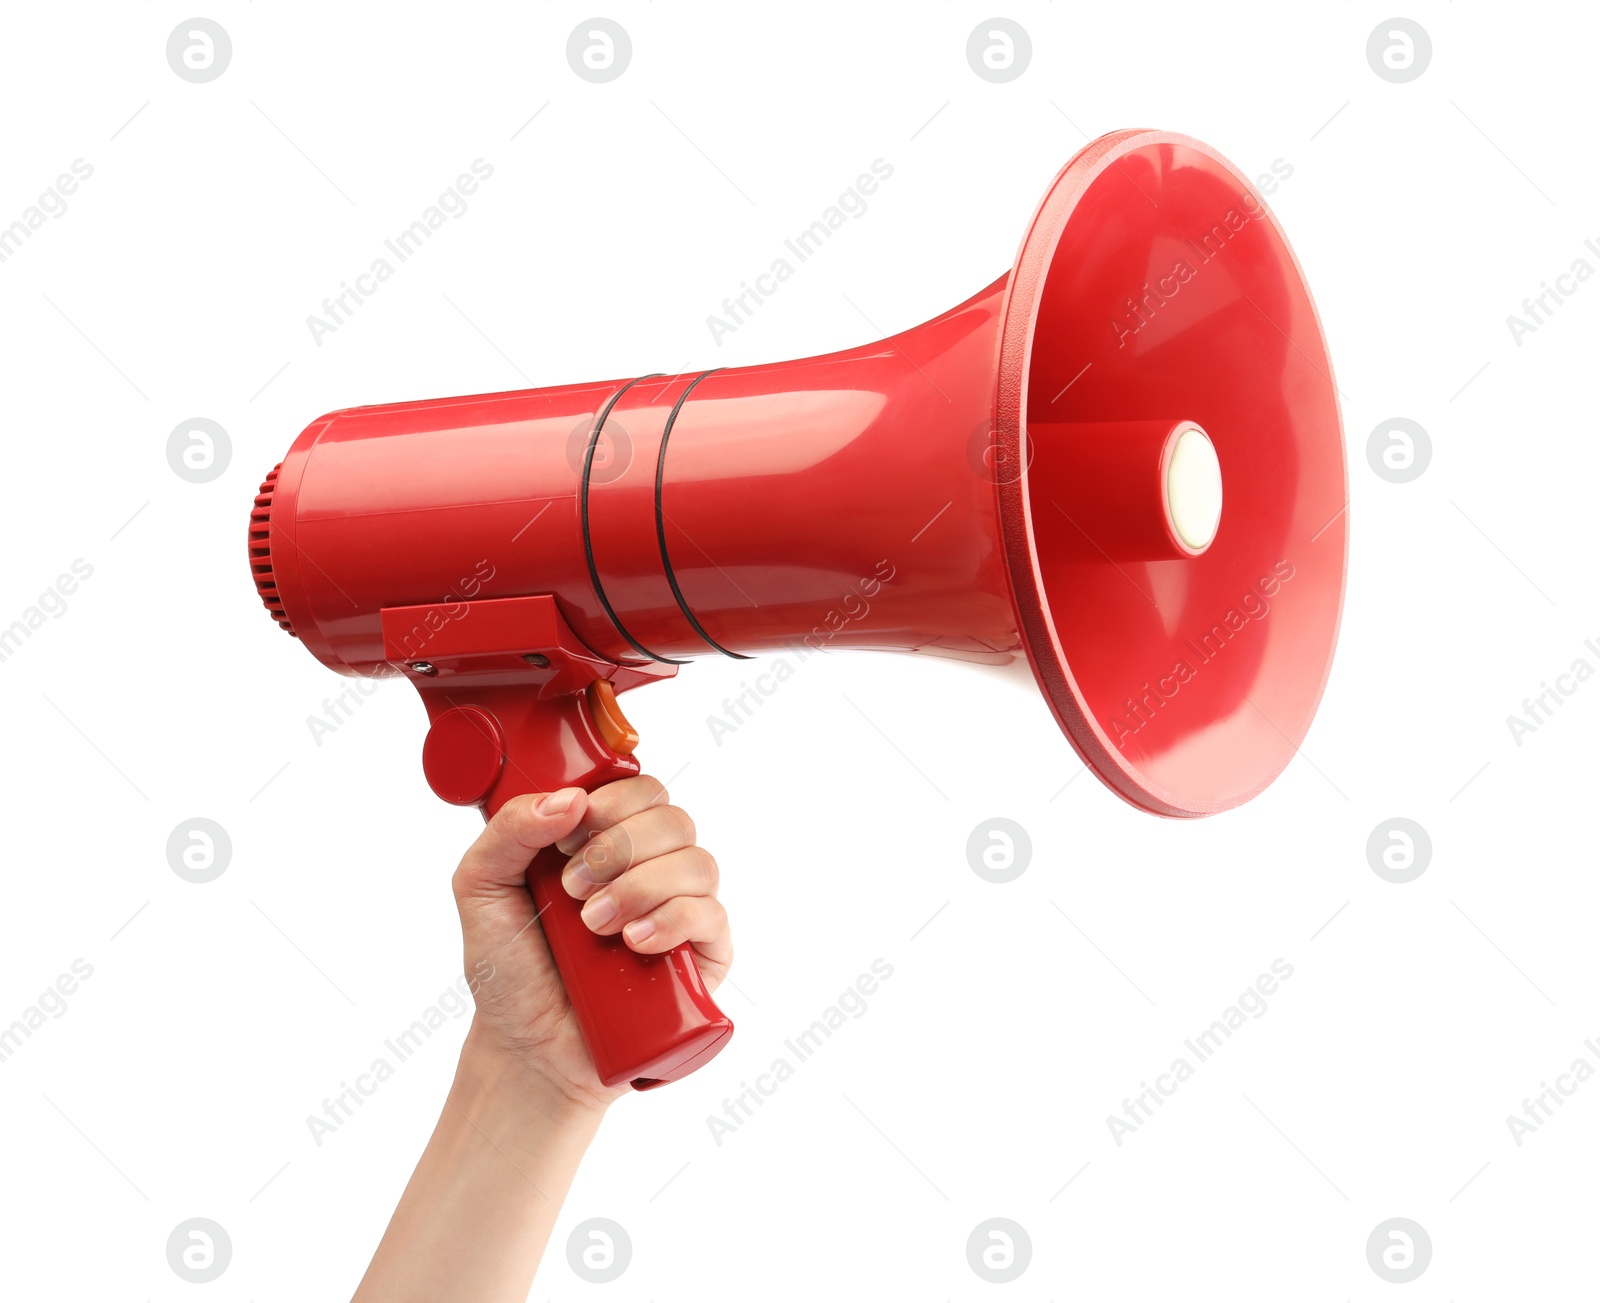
261, 552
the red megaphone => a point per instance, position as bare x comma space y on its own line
1121, 460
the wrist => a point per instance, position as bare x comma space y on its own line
500, 1080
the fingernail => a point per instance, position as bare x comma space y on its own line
557, 802
578, 879
641, 929
600, 910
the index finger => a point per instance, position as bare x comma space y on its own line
498, 861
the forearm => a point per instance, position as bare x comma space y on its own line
475, 1216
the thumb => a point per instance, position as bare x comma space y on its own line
497, 863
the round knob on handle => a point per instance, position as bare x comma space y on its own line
463, 755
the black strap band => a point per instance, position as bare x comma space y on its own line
583, 512
661, 525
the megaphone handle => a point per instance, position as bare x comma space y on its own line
647, 1019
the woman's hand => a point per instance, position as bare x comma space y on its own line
634, 864
526, 1100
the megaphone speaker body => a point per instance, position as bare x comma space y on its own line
1120, 464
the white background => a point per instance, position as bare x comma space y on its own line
978, 1083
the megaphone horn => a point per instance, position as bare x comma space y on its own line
1121, 462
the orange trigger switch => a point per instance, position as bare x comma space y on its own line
609, 721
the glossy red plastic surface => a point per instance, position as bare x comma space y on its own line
907, 495
510, 694
1154, 283
1109, 484
463, 754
